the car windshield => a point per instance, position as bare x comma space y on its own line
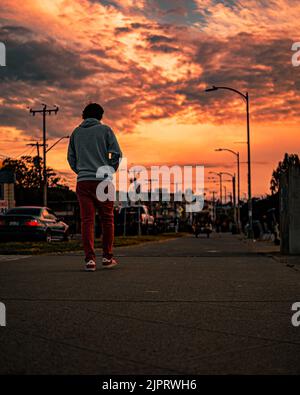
24, 211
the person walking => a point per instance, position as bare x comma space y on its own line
93, 145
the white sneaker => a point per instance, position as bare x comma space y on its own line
109, 263
90, 266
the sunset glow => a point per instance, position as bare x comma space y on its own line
148, 63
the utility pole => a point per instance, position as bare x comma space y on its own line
250, 203
237, 155
214, 206
45, 111
233, 177
239, 193
234, 200
221, 185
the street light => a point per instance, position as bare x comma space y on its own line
220, 176
59, 140
214, 193
245, 97
234, 193
237, 154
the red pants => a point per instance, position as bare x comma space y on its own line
86, 193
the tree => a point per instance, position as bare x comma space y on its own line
288, 161
28, 189
28, 172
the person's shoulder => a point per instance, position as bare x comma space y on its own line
73, 135
107, 129
75, 131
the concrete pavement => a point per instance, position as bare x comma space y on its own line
186, 306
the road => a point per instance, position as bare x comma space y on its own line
185, 306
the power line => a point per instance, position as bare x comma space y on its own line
29, 153
25, 153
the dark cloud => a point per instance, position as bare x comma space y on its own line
16, 30
108, 3
156, 39
181, 12
164, 48
98, 52
41, 68
122, 30
40, 60
140, 25
175, 11
261, 67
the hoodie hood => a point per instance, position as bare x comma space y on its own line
89, 122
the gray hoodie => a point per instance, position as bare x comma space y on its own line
90, 147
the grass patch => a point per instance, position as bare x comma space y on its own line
38, 248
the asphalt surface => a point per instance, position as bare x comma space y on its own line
185, 306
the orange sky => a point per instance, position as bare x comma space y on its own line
148, 63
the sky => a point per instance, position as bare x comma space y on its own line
148, 63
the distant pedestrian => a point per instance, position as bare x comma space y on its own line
93, 145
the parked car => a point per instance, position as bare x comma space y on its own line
32, 223
129, 218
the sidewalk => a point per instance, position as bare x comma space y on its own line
269, 248
185, 306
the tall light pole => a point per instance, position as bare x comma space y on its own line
237, 154
233, 193
45, 111
247, 99
221, 189
214, 205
